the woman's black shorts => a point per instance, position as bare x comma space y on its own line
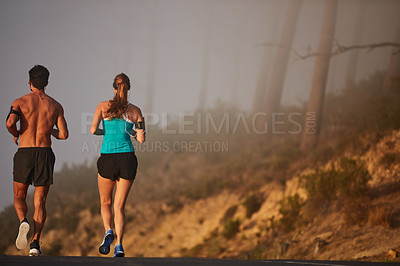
117, 165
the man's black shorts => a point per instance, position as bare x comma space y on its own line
34, 165
118, 165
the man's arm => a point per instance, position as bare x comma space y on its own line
62, 129
12, 120
98, 116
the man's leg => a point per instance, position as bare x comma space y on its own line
20, 206
39, 216
21, 209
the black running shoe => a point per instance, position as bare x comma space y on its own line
35, 248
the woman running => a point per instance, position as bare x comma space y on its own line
117, 163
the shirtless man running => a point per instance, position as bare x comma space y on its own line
34, 160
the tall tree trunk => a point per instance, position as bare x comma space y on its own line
316, 101
393, 71
204, 80
357, 34
274, 93
259, 94
151, 70
237, 11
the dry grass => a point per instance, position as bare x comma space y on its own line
380, 215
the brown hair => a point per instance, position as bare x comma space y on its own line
119, 104
39, 77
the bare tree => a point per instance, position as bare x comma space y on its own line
357, 34
275, 84
340, 49
321, 69
237, 11
259, 94
394, 65
204, 80
152, 58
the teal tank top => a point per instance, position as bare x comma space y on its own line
116, 137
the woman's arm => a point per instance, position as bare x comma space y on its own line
141, 131
98, 116
135, 114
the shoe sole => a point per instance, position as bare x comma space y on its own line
22, 241
34, 252
105, 247
119, 255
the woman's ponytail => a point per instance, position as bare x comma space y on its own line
119, 104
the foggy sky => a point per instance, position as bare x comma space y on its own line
84, 44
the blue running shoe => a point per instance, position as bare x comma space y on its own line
119, 251
107, 240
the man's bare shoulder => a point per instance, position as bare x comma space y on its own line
17, 103
55, 103
23, 98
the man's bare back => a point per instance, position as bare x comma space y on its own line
39, 114
33, 163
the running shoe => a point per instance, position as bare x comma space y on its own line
35, 248
107, 240
22, 241
119, 251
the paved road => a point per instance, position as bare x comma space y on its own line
98, 261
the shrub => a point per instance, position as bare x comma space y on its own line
257, 252
350, 180
8, 227
389, 159
355, 210
290, 211
175, 204
252, 203
231, 228
285, 156
193, 252
347, 183
230, 212
380, 215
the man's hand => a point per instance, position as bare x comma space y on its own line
16, 138
55, 133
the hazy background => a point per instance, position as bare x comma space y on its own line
162, 44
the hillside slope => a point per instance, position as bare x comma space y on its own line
262, 198
220, 226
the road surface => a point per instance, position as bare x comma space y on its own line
99, 261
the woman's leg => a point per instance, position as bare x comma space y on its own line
121, 194
106, 187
